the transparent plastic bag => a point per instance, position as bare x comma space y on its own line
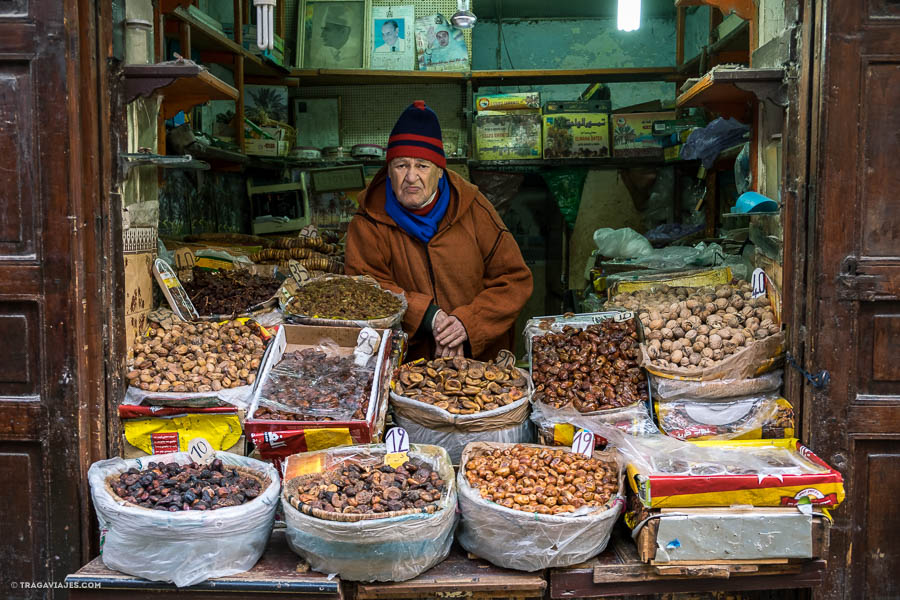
455, 441
760, 417
184, 548
525, 541
665, 389
390, 549
633, 420
621, 243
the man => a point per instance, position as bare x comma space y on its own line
428, 233
390, 33
337, 48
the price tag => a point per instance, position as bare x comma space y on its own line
505, 359
397, 443
366, 346
758, 279
200, 450
310, 231
298, 272
583, 443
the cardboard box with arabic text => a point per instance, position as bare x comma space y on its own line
576, 135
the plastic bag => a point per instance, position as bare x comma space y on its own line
557, 425
621, 243
677, 389
514, 539
391, 549
706, 143
566, 187
187, 547
455, 441
760, 417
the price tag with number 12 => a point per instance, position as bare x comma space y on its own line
583, 443
396, 442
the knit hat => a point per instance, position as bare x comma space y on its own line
417, 134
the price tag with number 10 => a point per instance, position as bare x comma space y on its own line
583, 443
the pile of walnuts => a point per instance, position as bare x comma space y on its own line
542, 480
197, 357
684, 327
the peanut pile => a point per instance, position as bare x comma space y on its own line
197, 357
543, 480
592, 369
461, 386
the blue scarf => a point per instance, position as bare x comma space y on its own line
424, 227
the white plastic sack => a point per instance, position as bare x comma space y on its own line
392, 549
186, 547
515, 539
621, 243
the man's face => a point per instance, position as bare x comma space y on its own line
389, 34
443, 38
335, 35
414, 180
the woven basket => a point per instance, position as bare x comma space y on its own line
380, 323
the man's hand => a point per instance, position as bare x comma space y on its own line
449, 332
447, 352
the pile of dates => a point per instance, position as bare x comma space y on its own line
542, 480
310, 385
174, 487
375, 488
228, 292
594, 368
343, 298
460, 385
197, 357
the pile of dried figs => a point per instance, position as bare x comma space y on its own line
311, 385
542, 480
197, 357
686, 327
372, 488
460, 385
594, 368
343, 298
174, 487
228, 292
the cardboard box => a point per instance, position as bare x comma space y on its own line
266, 147
576, 135
138, 282
317, 435
512, 135
577, 106
517, 101
633, 134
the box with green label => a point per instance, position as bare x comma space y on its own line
512, 135
576, 135
633, 134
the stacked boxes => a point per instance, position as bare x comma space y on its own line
633, 134
508, 126
576, 135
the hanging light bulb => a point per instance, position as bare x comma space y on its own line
463, 18
265, 28
629, 18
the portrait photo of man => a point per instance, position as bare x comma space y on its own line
389, 35
335, 37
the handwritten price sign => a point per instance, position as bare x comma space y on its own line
396, 442
583, 443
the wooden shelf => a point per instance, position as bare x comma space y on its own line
182, 86
728, 91
317, 77
737, 40
745, 9
539, 164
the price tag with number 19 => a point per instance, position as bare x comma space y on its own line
583, 443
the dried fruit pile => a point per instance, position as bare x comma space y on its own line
343, 298
197, 357
310, 385
174, 487
228, 292
542, 480
595, 368
461, 386
373, 488
687, 327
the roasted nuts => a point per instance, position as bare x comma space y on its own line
310, 385
542, 480
343, 298
174, 487
197, 357
592, 369
460, 385
372, 488
228, 292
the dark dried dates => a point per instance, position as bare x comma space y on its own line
595, 368
375, 488
174, 487
228, 292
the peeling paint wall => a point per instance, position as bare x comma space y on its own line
696, 30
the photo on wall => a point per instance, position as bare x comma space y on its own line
439, 45
334, 34
393, 38
318, 122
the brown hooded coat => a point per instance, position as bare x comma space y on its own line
472, 268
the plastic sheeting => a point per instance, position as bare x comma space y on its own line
677, 389
186, 547
391, 549
455, 441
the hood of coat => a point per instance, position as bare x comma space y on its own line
371, 199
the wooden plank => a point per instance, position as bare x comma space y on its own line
716, 572
733, 561
681, 14
551, 76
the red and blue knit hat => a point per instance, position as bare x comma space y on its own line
417, 134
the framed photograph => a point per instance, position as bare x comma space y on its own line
318, 121
439, 45
393, 38
333, 34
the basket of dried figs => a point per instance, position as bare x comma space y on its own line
197, 364
531, 507
353, 514
168, 518
450, 402
342, 300
707, 333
